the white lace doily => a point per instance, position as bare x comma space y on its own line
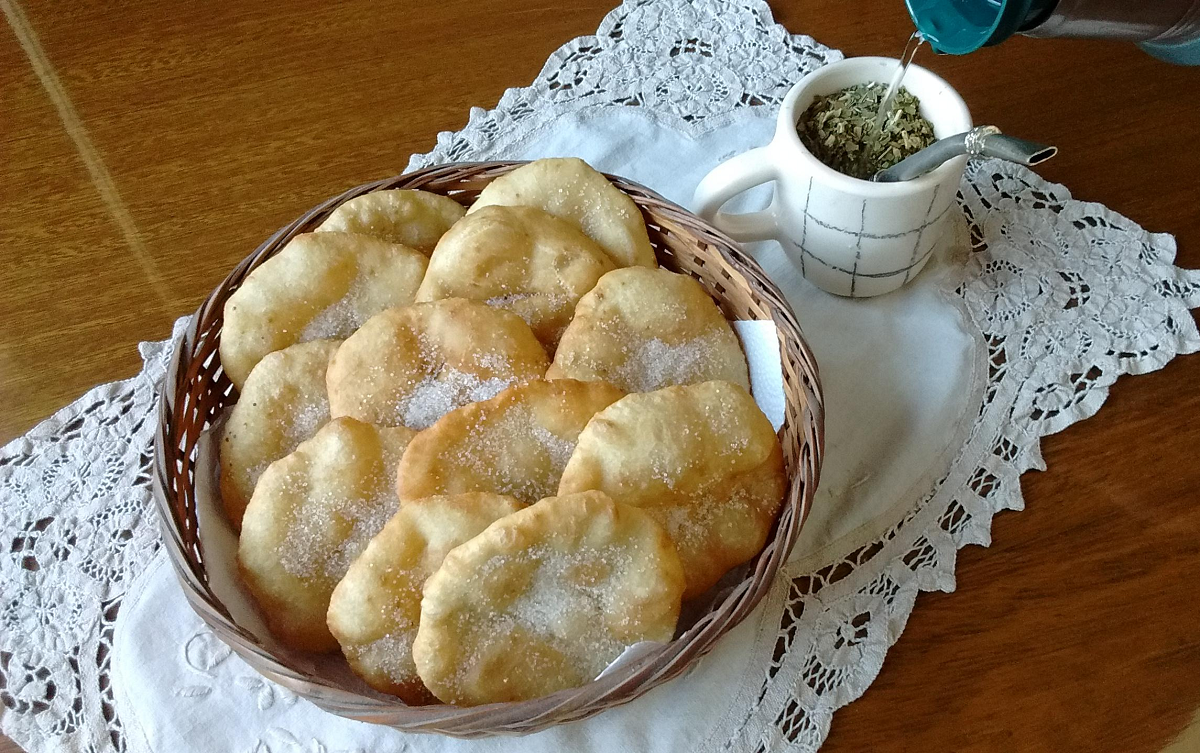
1062, 296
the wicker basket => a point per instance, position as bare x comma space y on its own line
195, 390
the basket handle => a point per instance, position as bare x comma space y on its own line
726, 180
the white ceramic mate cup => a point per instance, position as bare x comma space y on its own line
850, 237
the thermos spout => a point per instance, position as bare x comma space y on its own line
1168, 29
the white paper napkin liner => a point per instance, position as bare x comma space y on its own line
630, 655
760, 341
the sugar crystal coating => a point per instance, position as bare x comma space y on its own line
544, 599
701, 459
517, 258
409, 366
435, 396
653, 363
313, 512
319, 286
644, 329
572, 190
517, 443
282, 403
339, 319
374, 611
414, 218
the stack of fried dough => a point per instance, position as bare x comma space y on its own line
483, 451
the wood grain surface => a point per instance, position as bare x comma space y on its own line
146, 147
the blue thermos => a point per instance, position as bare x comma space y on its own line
1167, 29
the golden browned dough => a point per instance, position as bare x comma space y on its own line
312, 513
319, 286
520, 259
570, 189
702, 460
375, 609
644, 329
545, 599
517, 443
410, 366
282, 404
413, 218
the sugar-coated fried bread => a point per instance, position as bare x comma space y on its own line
701, 459
410, 366
517, 443
282, 403
571, 189
375, 610
517, 258
545, 599
413, 218
644, 329
319, 286
311, 515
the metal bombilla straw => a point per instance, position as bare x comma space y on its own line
986, 141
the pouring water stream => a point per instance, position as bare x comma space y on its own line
910, 50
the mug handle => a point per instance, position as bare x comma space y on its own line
731, 177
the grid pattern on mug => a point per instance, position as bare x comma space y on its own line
859, 234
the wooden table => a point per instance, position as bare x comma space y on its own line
145, 149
